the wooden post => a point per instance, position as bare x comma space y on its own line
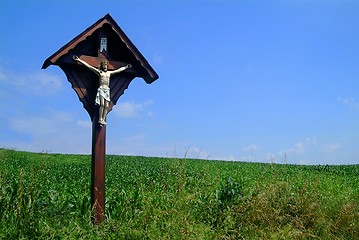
98, 170
103, 37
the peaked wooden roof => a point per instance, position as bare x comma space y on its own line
121, 51
142, 68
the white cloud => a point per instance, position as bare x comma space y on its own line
304, 162
132, 109
190, 152
137, 138
250, 148
350, 102
270, 158
197, 153
300, 147
53, 132
139, 144
311, 151
329, 148
247, 159
41, 124
230, 158
84, 124
41, 83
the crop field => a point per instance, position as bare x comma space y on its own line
47, 196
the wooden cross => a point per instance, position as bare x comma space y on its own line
102, 54
106, 40
99, 136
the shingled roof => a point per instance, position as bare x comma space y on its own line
107, 22
120, 50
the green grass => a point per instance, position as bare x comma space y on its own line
47, 196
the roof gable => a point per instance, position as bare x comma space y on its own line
120, 47
119, 51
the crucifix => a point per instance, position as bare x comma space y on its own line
103, 91
100, 63
98, 122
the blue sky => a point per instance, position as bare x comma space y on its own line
259, 81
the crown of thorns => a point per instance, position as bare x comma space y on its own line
103, 62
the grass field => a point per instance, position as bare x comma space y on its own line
47, 196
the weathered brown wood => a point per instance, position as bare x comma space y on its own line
120, 45
98, 171
96, 61
85, 84
118, 51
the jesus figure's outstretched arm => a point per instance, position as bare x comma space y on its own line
76, 58
121, 69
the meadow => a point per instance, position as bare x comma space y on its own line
47, 196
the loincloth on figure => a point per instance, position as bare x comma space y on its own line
103, 91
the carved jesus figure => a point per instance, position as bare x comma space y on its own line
103, 91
